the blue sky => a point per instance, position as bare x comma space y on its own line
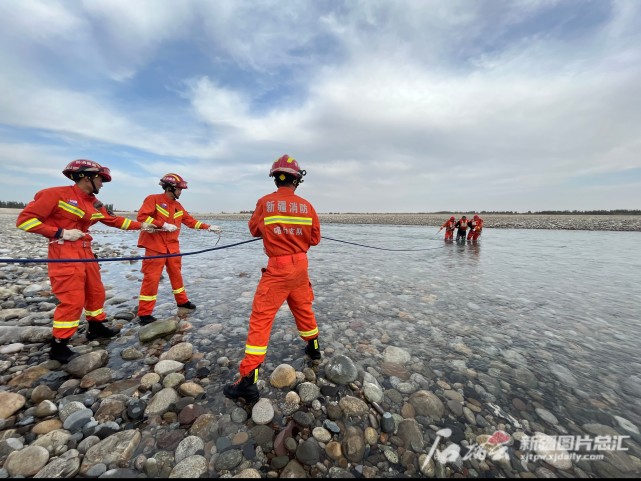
403, 106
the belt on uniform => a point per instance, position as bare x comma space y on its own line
81, 243
288, 259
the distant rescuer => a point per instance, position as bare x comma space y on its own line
164, 212
288, 225
64, 215
448, 225
461, 225
476, 227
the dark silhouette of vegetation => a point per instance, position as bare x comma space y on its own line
10, 204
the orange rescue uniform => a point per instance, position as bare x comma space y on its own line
288, 225
448, 225
77, 285
158, 209
476, 226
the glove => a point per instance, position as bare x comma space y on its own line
147, 227
169, 227
72, 234
215, 229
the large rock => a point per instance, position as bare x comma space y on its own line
26, 462
161, 401
65, 466
396, 355
284, 376
192, 467
157, 329
181, 352
427, 404
10, 403
341, 370
24, 334
117, 448
353, 406
166, 367
82, 365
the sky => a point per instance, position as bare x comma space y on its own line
390, 106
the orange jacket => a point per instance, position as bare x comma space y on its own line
67, 207
287, 223
158, 209
448, 224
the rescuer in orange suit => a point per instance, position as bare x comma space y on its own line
448, 225
166, 214
288, 225
64, 215
476, 226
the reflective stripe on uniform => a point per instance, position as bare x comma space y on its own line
313, 332
179, 290
255, 350
94, 313
71, 208
147, 298
29, 224
125, 224
149, 220
178, 213
162, 211
198, 224
65, 324
285, 219
97, 215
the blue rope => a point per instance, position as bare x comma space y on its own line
135, 258
382, 248
181, 254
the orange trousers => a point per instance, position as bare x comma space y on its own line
473, 235
152, 270
449, 235
284, 279
77, 285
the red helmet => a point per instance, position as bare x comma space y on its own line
174, 180
81, 168
287, 165
476, 217
452, 218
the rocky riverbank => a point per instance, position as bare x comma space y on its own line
149, 403
502, 221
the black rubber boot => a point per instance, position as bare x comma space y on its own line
244, 388
144, 320
60, 351
98, 330
313, 349
188, 305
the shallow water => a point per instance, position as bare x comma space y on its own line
563, 305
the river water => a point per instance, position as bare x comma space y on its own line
545, 316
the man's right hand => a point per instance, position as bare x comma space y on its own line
72, 234
169, 227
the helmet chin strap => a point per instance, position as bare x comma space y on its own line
172, 190
94, 189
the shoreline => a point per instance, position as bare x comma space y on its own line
626, 223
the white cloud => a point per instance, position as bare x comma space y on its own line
406, 98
